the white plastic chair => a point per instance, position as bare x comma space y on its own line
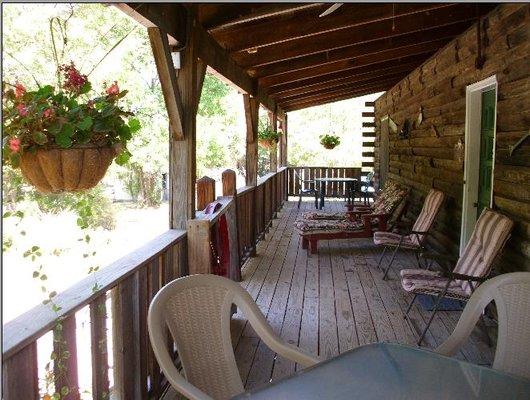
511, 293
196, 309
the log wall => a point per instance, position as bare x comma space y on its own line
428, 157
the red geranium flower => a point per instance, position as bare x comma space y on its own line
48, 113
22, 110
74, 80
20, 90
14, 144
113, 89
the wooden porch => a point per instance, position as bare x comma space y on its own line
329, 302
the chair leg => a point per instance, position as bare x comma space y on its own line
391, 261
410, 305
300, 200
381, 258
305, 243
440, 297
416, 254
313, 246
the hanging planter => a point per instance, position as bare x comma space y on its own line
329, 141
267, 137
63, 140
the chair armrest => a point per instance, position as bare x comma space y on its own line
463, 277
272, 340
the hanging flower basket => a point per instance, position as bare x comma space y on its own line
67, 170
329, 141
267, 143
63, 140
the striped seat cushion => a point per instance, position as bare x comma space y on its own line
308, 227
392, 239
431, 207
314, 215
420, 281
491, 232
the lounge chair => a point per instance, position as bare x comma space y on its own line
511, 293
385, 193
413, 239
307, 188
491, 232
196, 309
358, 224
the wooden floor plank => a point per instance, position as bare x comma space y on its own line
330, 302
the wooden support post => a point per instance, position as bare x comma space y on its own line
251, 115
205, 192
199, 247
182, 152
273, 152
251, 176
228, 178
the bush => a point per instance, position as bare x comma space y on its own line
93, 208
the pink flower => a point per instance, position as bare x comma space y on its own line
73, 78
113, 89
48, 113
14, 144
20, 90
22, 110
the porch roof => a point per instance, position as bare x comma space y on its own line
292, 58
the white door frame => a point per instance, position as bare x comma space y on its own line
472, 154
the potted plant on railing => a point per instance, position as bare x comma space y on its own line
267, 137
64, 138
329, 141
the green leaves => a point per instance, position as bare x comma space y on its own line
85, 123
87, 87
123, 157
64, 137
134, 125
39, 137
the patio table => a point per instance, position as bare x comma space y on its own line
392, 371
323, 182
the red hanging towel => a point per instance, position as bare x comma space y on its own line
220, 242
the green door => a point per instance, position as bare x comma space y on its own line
487, 142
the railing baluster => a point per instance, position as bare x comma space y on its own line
153, 368
144, 345
65, 363
126, 343
20, 375
100, 362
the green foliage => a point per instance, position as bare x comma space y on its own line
92, 207
329, 141
49, 117
213, 92
266, 134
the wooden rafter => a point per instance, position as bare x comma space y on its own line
306, 22
359, 50
357, 34
374, 63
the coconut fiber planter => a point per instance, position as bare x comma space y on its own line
66, 170
268, 144
329, 146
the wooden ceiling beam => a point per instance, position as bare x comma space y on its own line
307, 23
170, 18
353, 81
390, 56
370, 70
359, 34
373, 58
333, 99
267, 11
345, 78
357, 50
389, 82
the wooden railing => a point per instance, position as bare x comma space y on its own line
127, 287
335, 189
